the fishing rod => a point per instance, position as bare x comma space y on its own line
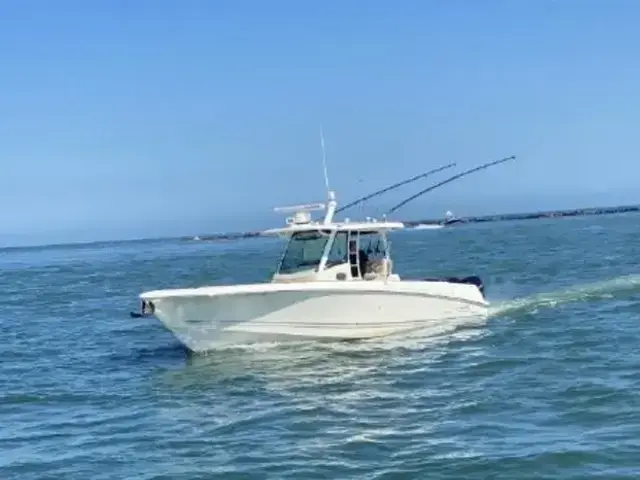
450, 179
394, 186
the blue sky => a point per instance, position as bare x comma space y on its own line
126, 119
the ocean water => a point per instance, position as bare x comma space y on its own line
547, 387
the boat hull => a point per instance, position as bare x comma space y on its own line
207, 317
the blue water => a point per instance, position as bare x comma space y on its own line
547, 387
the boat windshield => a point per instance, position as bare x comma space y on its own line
373, 244
304, 251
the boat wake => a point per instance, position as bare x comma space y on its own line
607, 289
420, 339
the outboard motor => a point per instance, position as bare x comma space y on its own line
475, 280
471, 280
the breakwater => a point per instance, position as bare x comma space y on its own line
577, 212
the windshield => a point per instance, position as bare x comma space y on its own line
373, 245
304, 251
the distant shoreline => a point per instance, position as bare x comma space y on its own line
217, 237
575, 212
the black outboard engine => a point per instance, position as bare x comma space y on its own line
472, 280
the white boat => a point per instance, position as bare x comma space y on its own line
428, 226
335, 280
450, 218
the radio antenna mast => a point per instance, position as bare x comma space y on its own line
332, 204
324, 161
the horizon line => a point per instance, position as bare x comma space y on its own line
580, 211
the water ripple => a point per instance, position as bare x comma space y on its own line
547, 387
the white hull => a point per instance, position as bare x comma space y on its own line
204, 318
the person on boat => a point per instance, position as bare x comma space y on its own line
357, 258
363, 260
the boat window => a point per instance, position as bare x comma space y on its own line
366, 251
304, 251
373, 245
338, 253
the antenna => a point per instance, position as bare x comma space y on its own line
331, 204
324, 160
450, 179
394, 186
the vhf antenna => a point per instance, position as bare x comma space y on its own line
324, 161
331, 196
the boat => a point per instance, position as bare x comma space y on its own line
335, 281
428, 226
450, 219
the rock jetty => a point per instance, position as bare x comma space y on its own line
578, 212
459, 221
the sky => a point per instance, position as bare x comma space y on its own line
124, 119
